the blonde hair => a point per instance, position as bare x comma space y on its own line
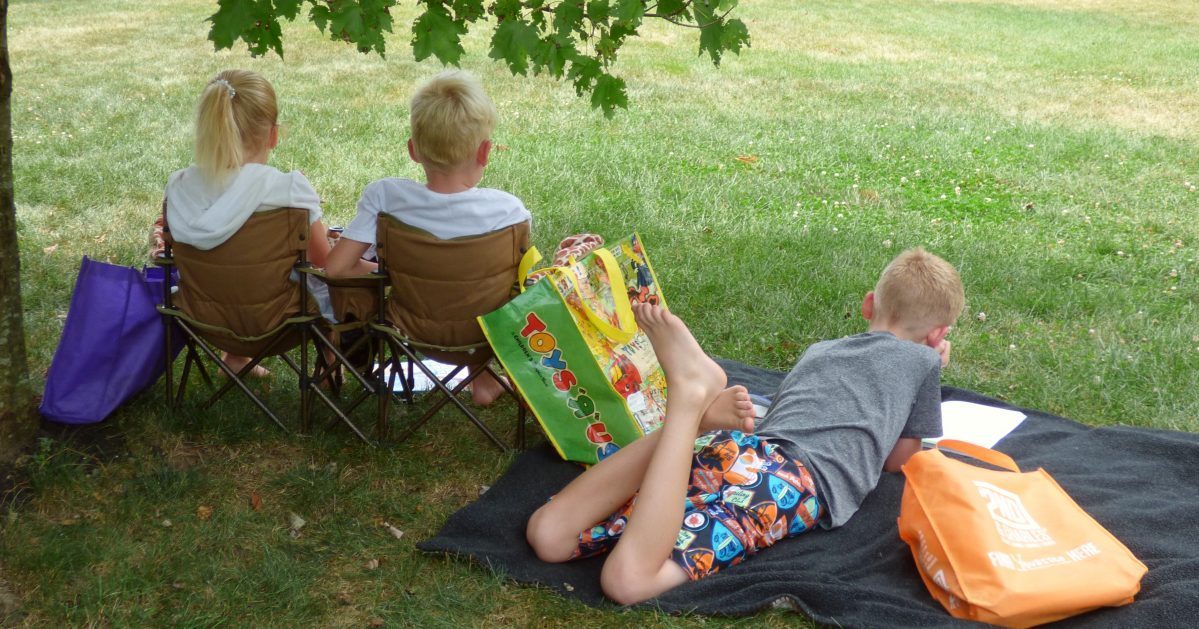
919, 291
451, 116
236, 112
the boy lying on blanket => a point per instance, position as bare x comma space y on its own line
673, 507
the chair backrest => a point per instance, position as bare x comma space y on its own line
438, 286
245, 284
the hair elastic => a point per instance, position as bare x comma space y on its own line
226, 85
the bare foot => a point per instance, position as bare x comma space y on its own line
690, 374
485, 389
731, 410
237, 363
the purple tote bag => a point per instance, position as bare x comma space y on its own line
112, 344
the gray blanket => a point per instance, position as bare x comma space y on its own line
1143, 485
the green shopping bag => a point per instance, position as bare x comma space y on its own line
571, 347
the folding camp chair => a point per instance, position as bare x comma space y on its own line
438, 288
246, 298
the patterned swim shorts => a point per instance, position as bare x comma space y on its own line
744, 495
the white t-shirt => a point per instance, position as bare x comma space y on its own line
468, 213
205, 216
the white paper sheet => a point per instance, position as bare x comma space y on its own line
977, 423
420, 382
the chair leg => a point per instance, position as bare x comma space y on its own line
169, 360
235, 380
521, 406
451, 396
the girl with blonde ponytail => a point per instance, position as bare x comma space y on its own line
236, 130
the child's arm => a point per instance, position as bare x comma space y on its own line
943, 350
318, 244
345, 260
903, 450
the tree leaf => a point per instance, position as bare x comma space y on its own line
630, 11
670, 8
568, 18
436, 33
552, 55
608, 94
232, 18
598, 11
512, 42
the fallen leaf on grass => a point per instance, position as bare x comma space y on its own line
255, 501
371, 564
747, 159
204, 512
51, 249
343, 598
294, 524
376, 622
396, 533
569, 587
483, 489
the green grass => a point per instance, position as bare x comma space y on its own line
1046, 148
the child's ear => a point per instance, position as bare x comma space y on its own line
868, 306
272, 137
483, 153
412, 151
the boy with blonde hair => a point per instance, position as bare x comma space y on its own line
452, 119
674, 507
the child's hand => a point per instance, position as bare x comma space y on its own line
943, 349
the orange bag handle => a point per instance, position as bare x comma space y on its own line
987, 455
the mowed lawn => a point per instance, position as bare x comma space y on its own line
1049, 149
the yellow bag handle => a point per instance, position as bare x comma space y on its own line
531, 257
626, 325
987, 455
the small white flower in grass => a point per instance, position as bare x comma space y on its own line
1120, 254
987, 139
834, 230
887, 243
1173, 272
1091, 331
986, 199
903, 180
1012, 346
1032, 146
982, 316
943, 197
957, 191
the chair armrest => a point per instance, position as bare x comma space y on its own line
370, 280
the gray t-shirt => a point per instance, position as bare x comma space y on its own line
843, 407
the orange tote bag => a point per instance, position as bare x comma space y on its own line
1006, 547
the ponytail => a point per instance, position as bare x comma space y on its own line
236, 112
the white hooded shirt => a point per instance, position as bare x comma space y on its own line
205, 216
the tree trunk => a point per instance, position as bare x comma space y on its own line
17, 419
